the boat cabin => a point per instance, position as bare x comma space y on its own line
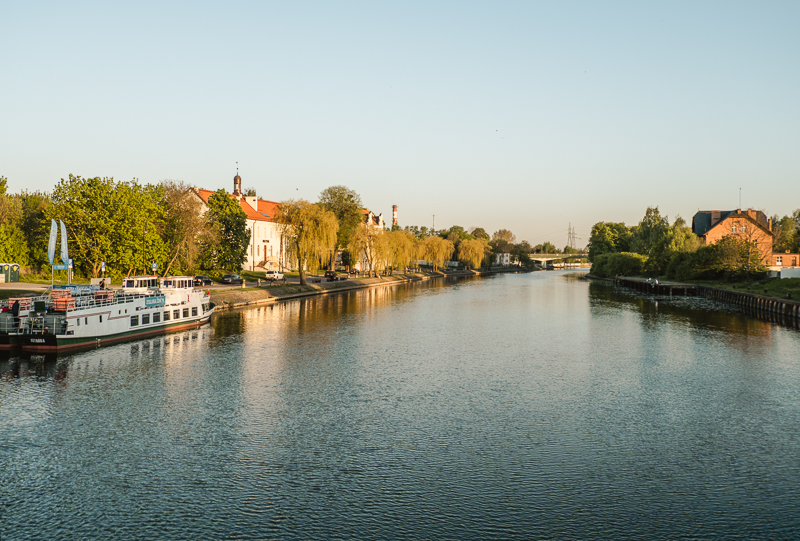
177, 282
140, 282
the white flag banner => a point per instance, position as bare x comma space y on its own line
51, 246
64, 251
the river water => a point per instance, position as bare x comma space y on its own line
513, 407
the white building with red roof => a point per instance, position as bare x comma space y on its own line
266, 248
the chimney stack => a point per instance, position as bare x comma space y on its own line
394, 214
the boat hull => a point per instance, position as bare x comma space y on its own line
9, 341
49, 343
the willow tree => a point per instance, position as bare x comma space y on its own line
472, 252
437, 250
368, 244
403, 247
308, 232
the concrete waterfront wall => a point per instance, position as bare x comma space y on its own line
783, 311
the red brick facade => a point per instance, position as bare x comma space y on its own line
784, 259
750, 225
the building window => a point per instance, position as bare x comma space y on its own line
744, 228
185, 312
157, 317
733, 228
779, 260
134, 321
145, 319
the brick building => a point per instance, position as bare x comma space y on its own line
750, 225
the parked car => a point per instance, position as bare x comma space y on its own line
272, 275
232, 279
200, 281
330, 274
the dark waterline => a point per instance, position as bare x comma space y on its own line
519, 406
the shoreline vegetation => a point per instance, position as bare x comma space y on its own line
230, 299
752, 299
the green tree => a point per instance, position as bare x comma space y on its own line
472, 252
437, 250
504, 234
187, 229
521, 252
403, 246
607, 237
228, 249
309, 233
36, 227
346, 205
480, 233
119, 223
13, 245
785, 234
367, 244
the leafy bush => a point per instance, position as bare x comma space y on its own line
622, 263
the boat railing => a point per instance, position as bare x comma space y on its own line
103, 298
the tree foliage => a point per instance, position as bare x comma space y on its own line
437, 250
369, 245
403, 247
473, 252
346, 205
608, 237
187, 228
309, 232
504, 234
119, 223
618, 263
226, 244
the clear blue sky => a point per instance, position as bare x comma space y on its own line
517, 115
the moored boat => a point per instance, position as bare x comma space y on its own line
82, 316
13, 313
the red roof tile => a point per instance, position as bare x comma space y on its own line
265, 212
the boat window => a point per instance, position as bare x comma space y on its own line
134, 321
129, 283
176, 314
168, 283
194, 310
86, 321
157, 317
101, 319
166, 315
145, 319
185, 312
79, 321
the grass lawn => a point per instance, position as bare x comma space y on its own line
774, 287
8, 293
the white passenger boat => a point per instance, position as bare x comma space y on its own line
13, 313
81, 316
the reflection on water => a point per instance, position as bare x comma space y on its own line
520, 406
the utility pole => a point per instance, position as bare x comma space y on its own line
433, 228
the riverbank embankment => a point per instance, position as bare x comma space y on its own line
783, 311
240, 298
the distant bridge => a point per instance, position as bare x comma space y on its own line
542, 258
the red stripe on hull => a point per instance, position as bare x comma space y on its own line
97, 342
